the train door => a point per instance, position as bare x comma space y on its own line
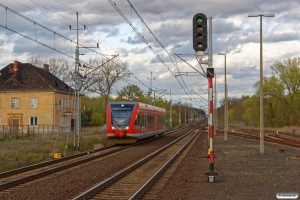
156, 122
143, 127
146, 124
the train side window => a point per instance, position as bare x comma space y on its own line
150, 121
161, 120
137, 120
142, 120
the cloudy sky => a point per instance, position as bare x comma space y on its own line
170, 24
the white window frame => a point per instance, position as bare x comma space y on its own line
34, 120
15, 102
33, 102
64, 104
65, 120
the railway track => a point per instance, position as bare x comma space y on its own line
269, 137
134, 181
13, 178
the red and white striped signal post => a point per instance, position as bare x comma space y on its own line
211, 172
211, 127
200, 33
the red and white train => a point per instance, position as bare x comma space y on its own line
129, 121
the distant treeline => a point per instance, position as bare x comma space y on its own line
281, 98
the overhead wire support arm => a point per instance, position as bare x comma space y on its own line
191, 65
102, 64
183, 73
199, 55
145, 41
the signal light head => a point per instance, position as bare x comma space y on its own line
200, 32
200, 36
200, 45
199, 19
199, 28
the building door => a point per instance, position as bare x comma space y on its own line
15, 125
72, 124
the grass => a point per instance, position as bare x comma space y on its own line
16, 153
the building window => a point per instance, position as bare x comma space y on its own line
15, 103
33, 121
65, 120
64, 105
33, 102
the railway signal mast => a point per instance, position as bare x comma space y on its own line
77, 108
200, 43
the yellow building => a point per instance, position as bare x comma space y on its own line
32, 97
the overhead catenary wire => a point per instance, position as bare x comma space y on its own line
101, 39
46, 28
41, 13
65, 6
55, 33
143, 38
151, 33
104, 41
182, 79
54, 12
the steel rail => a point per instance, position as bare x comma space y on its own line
25, 179
98, 188
158, 174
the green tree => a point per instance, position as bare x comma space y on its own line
98, 119
230, 115
281, 96
93, 110
251, 114
130, 92
274, 102
86, 117
288, 72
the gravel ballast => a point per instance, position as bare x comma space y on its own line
243, 173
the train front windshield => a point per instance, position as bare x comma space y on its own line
121, 114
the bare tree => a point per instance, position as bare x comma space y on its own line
88, 76
59, 67
97, 78
109, 74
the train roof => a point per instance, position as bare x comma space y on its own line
141, 105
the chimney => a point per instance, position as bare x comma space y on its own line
16, 66
46, 67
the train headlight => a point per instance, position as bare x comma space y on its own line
113, 127
126, 127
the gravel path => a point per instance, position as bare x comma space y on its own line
242, 172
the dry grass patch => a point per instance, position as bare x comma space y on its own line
17, 153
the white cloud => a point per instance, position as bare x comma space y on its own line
234, 33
